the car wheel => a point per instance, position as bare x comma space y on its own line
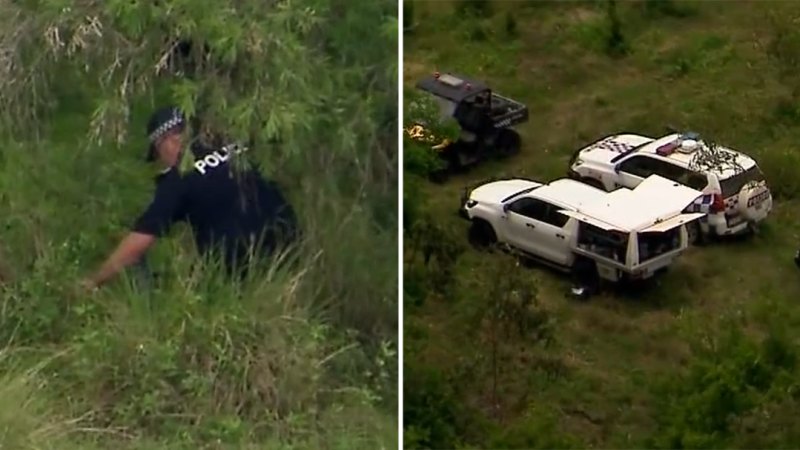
439, 176
695, 233
453, 155
508, 143
797, 259
481, 234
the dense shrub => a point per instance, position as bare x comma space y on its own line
726, 381
430, 409
536, 430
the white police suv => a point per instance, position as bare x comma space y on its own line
736, 195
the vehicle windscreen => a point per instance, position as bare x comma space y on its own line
655, 244
731, 186
609, 244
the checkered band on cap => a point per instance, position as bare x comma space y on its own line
174, 121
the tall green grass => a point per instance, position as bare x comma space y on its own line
300, 357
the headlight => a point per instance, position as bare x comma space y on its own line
471, 203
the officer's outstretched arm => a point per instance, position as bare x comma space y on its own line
129, 251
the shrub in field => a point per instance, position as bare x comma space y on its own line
419, 159
478, 32
727, 380
511, 25
616, 45
504, 316
474, 7
434, 248
408, 16
430, 410
781, 166
508, 313
538, 429
784, 52
422, 110
602, 33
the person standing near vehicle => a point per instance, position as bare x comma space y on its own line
585, 279
236, 215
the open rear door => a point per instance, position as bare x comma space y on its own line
673, 222
664, 196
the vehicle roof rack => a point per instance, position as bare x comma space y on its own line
451, 86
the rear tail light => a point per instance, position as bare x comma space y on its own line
717, 204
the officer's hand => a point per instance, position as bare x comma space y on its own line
87, 286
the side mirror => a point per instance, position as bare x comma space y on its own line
616, 168
506, 207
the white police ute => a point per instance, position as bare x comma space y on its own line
625, 234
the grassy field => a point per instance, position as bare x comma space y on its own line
624, 369
290, 359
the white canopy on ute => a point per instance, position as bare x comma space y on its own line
656, 204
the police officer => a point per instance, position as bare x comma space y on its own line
235, 214
585, 279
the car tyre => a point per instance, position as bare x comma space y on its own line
481, 234
508, 143
439, 176
695, 232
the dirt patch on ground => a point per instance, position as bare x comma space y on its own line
413, 71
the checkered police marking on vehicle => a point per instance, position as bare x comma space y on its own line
613, 145
702, 204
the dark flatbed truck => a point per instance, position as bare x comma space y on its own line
485, 119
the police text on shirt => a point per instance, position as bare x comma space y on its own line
217, 157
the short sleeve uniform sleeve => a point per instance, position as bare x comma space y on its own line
166, 208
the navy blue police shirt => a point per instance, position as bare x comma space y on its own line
231, 212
